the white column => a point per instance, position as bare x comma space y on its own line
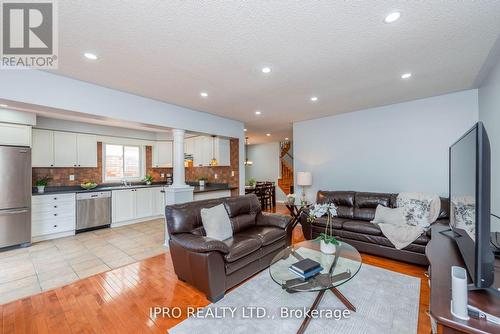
179, 172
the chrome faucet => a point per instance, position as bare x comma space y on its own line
124, 182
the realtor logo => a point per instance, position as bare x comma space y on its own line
29, 35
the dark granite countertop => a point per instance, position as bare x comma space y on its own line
108, 187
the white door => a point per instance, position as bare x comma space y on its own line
144, 202
223, 152
87, 150
158, 201
65, 149
42, 153
123, 202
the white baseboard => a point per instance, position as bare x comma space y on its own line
135, 221
52, 236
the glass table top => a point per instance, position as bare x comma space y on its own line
338, 268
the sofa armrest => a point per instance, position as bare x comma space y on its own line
199, 244
273, 219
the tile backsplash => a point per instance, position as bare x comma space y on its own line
60, 176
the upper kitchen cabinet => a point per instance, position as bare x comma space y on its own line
205, 148
86, 150
42, 153
15, 134
63, 149
223, 152
162, 154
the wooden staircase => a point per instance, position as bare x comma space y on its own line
286, 168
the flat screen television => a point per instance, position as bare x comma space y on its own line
470, 185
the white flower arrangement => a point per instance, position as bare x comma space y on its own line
319, 210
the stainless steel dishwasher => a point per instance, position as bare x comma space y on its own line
93, 210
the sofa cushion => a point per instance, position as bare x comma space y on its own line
185, 217
242, 211
378, 240
365, 204
216, 222
240, 246
336, 222
344, 200
361, 226
266, 234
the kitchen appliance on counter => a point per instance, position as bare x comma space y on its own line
15, 196
93, 210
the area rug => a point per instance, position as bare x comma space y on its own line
386, 302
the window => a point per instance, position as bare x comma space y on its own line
122, 162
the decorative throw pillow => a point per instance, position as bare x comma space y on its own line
419, 209
385, 215
464, 210
216, 222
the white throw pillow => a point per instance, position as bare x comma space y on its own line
385, 215
216, 223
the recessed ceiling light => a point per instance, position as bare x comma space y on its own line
392, 17
314, 98
245, 130
90, 56
204, 94
266, 70
258, 112
268, 134
3, 105
406, 76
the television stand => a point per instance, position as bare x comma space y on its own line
443, 253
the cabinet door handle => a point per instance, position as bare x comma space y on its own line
55, 198
55, 225
55, 206
55, 214
51, 165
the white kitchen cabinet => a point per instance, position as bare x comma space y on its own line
86, 148
223, 152
123, 205
42, 152
65, 149
52, 216
158, 201
134, 205
143, 202
163, 154
189, 144
212, 195
202, 151
15, 134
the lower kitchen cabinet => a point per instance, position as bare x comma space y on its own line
52, 216
134, 205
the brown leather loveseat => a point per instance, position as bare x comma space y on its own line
214, 266
355, 210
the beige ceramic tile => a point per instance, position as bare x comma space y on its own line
92, 270
58, 281
19, 289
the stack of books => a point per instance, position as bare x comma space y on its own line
306, 268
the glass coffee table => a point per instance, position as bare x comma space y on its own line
338, 269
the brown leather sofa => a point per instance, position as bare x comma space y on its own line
214, 266
355, 210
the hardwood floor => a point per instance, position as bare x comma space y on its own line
119, 301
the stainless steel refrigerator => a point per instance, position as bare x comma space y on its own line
15, 196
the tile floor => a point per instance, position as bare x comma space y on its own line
50, 264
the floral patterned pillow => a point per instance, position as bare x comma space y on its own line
415, 211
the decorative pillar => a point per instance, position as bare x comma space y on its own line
179, 172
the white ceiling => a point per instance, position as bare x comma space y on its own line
340, 51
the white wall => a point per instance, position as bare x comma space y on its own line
266, 164
489, 113
395, 148
58, 92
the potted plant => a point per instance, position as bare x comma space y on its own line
148, 179
202, 180
328, 242
41, 184
251, 182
